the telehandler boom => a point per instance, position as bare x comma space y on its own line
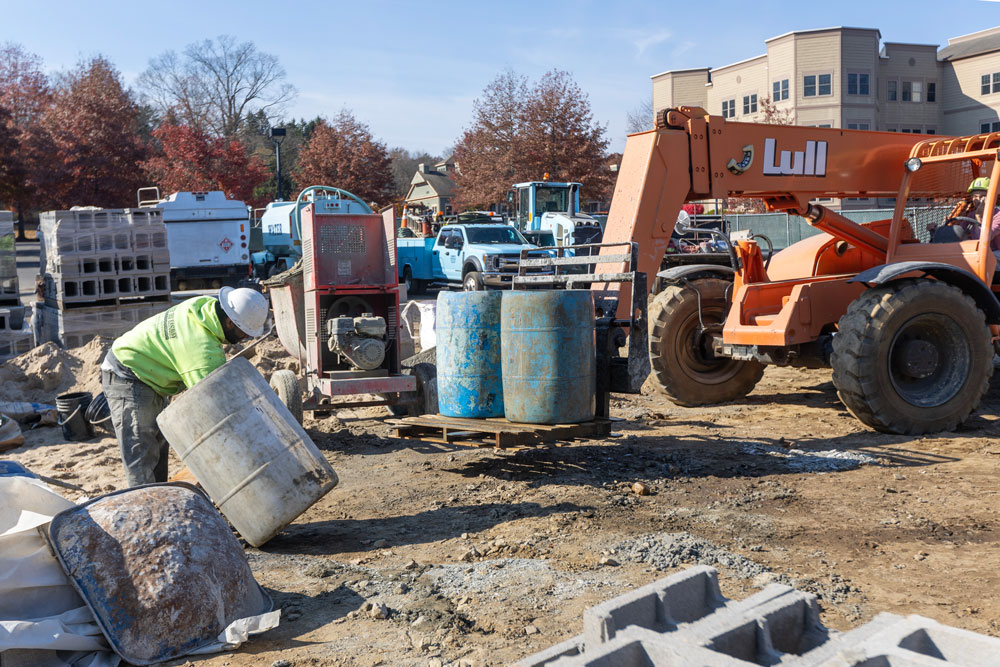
907, 320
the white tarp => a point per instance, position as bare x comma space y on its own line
43, 621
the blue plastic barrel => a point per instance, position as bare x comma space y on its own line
547, 339
468, 354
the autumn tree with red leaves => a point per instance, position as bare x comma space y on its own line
520, 133
343, 154
25, 94
94, 130
12, 171
191, 159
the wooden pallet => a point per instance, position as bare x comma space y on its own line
497, 432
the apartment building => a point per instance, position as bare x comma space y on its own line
848, 78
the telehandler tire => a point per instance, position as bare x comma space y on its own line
684, 367
286, 385
912, 357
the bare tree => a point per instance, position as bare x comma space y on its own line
772, 114
216, 85
640, 118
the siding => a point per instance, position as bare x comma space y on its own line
734, 81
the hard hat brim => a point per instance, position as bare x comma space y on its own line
230, 312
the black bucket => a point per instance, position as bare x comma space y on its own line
98, 414
72, 409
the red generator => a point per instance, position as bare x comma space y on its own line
340, 315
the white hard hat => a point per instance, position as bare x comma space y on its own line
247, 309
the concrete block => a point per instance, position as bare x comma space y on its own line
570, 648
158, 239
143, 263
11, 318
122, 239
681, 598
775, 626
14, 343
8, 288
141, 241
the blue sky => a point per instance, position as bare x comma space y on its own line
411, 70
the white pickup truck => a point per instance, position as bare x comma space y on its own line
207, 236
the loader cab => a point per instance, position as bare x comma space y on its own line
535, 198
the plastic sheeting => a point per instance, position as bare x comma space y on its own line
43, 622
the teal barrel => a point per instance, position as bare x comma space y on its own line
468, 354
547, 340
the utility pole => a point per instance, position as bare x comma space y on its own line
277, 135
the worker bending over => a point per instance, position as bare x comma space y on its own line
163, 355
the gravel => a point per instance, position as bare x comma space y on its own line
497, 579
665, 551
826, 460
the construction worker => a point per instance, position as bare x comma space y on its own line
977, 191
162, 356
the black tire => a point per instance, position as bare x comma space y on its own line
286, 385
473, 282
912, 357
413, 286
683, 366
426, 375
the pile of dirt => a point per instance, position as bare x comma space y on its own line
46, 371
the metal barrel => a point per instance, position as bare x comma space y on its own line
248, 452
547, 343
468, 354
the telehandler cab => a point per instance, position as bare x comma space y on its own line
908, 325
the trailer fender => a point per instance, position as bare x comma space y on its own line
960, 278
675, 273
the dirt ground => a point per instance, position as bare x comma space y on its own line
481, 557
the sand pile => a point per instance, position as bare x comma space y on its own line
43, 373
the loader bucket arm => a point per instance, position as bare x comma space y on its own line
692, 155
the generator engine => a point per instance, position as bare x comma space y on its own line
360, 340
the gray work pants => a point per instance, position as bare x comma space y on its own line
134, 407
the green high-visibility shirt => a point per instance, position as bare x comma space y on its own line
176, 348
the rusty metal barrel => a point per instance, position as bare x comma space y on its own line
547, 345
467, 328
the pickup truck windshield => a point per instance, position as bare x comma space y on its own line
494, 235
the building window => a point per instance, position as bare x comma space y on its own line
729, 108
987, 126
890, 90
814, 85
780, 90
913, 91
859, 125
857, 83
985, 87
750, 104
931, 91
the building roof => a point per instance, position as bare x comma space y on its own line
440, 183
682, 71
836, 27
973, 44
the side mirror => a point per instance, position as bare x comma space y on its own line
683, 224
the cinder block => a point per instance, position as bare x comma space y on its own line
775, 626
122, 239
158, 239
142, 284
662, 605
141, 239
14, 343
12, 318
144, 263
85, 243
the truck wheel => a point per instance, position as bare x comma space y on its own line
286, 386
684, 367
912, 357
473, 282
413, 286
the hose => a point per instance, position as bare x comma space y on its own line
770, 249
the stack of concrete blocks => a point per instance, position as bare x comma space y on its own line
15, 337
685, 620
104, 269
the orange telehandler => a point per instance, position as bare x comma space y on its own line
908, 323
